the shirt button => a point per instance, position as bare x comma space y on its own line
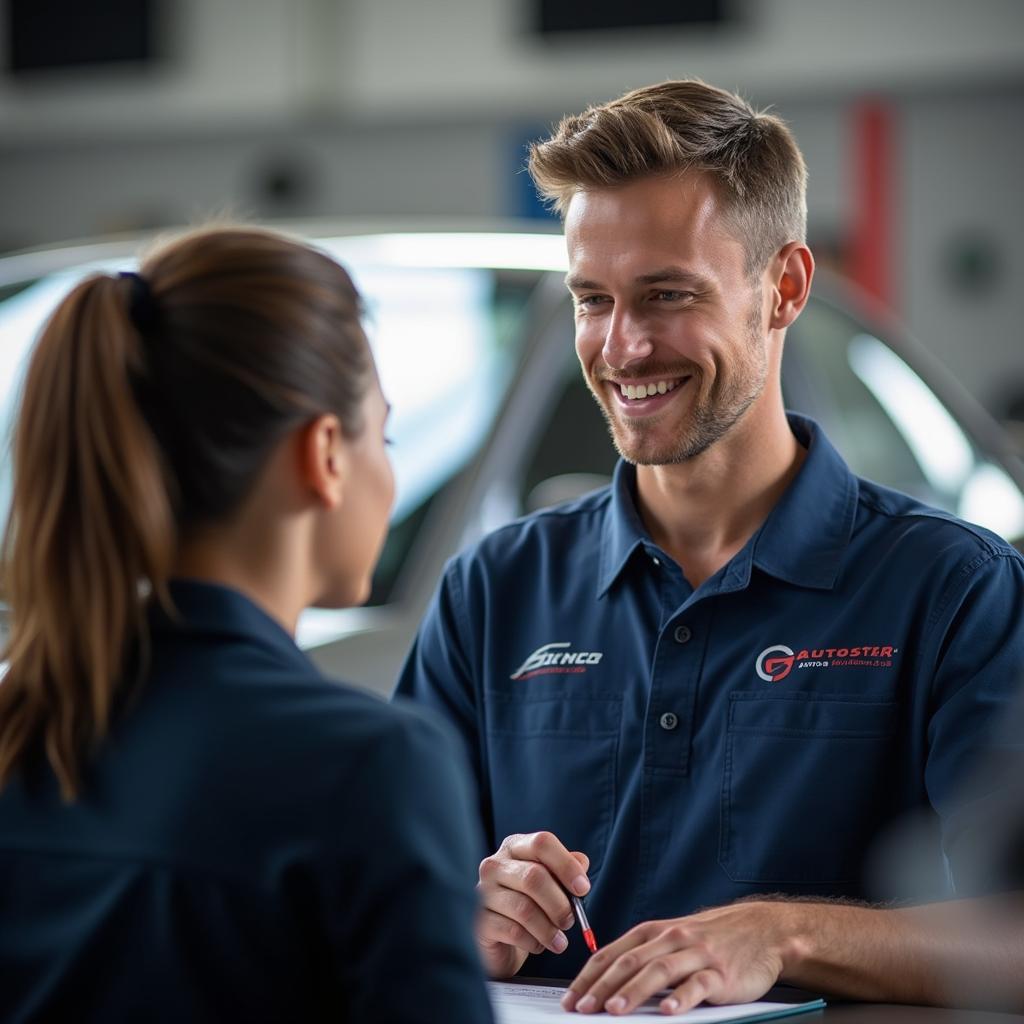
668, 721
683, 634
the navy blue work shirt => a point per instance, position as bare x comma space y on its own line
254, 842
754, 735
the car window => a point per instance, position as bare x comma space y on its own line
887, 421
817, 379
446, 341
574, 452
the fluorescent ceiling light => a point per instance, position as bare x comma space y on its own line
492, 250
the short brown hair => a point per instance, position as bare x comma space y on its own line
680, 126
150, 406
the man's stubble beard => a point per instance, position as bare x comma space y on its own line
710, 418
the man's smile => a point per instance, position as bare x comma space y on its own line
645, 397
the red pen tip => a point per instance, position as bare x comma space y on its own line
588, 937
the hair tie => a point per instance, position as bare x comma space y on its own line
142, 306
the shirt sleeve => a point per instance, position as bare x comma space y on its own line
405, 934
438, 671
977, 637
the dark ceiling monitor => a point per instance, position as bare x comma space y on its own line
566, 16
53, 35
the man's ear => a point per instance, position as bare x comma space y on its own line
323, 462
790, 273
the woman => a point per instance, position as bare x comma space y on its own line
194, 823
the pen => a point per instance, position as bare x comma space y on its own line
581, 918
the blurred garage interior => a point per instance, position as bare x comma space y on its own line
120, 115
121, 118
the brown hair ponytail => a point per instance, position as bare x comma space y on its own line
79, 541
126, 440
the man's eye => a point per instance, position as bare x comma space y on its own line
584, 301
669, 295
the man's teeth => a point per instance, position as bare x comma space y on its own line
647, 390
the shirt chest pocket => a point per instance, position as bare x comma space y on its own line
552, 761
804, 784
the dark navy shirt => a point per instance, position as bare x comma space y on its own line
754, 735
254, 842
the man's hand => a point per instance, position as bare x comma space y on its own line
524, 906
732, 954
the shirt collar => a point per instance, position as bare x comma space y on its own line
214, 609
623, 531
803, 540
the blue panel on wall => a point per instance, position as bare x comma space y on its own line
523, 200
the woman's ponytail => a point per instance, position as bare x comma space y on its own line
91, 529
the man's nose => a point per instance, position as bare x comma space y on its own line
626, 340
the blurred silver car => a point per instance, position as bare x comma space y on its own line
473, 335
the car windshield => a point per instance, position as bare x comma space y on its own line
444, 321
889, 423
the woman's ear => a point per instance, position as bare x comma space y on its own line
792, 271
323, 459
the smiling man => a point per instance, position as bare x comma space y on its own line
718, 682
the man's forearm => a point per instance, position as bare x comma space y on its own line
964, 952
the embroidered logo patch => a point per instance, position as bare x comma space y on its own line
556, 659
773, 664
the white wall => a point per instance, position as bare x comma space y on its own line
66, 190
962, 178
247, 61
473, 55
228, 60
413, 107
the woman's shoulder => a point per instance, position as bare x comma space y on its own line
337, 729
336, 711
299, 762
400, 741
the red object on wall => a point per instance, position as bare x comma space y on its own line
872, 239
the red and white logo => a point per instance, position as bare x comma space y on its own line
773, 664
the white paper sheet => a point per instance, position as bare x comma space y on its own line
527, 1004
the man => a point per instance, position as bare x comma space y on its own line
714, 683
